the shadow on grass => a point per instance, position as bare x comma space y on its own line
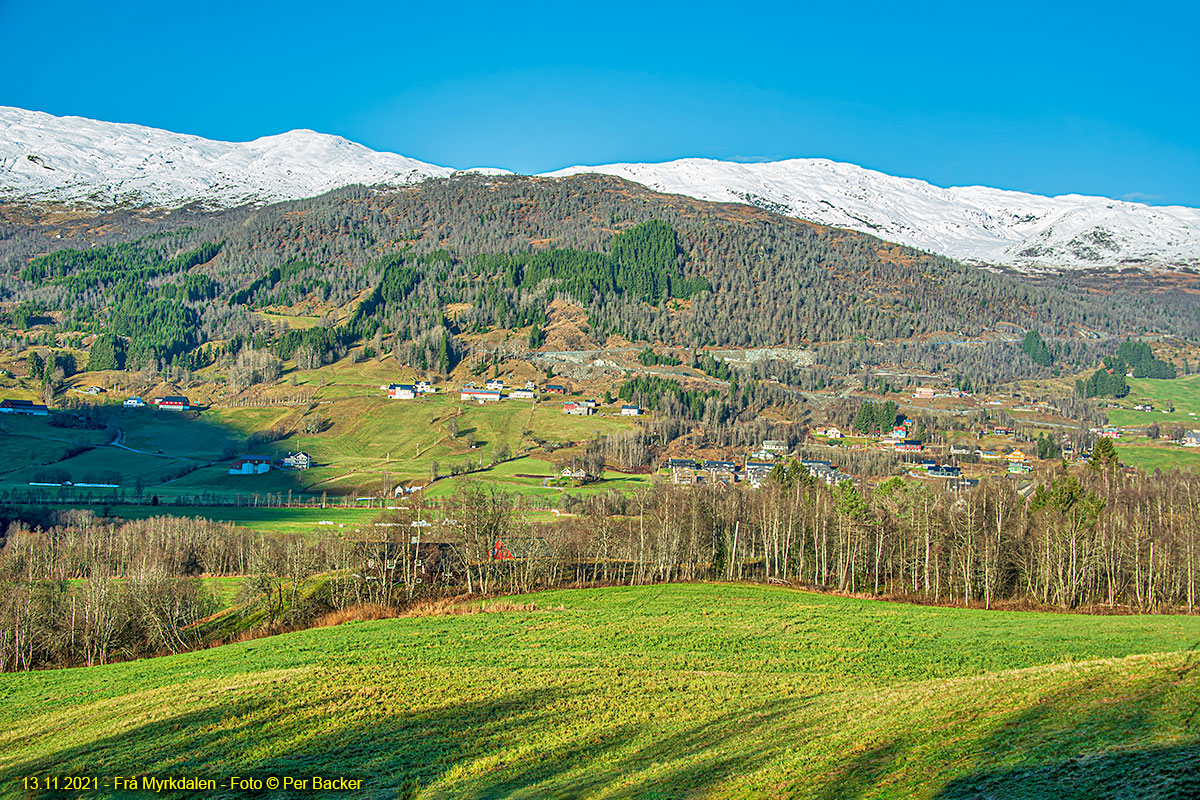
1162, 772
474, 749
1105, 733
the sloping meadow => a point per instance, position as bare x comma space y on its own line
668, 691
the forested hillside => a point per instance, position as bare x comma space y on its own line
646, 266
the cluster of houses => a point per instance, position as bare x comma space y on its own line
25, 407
175, 402
725, 473
494, 391
257, 465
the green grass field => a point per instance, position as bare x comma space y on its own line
1183, 393
663, 691
1162, 454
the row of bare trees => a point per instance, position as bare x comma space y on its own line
90, 590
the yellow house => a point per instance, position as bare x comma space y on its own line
1016, 456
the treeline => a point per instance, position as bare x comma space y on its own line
89, 590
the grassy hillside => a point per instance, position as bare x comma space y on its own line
1182, 394
367, 444
669, 691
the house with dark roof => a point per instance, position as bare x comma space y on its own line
26, 407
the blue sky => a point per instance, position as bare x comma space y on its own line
1097, 98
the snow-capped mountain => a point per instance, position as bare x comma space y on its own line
971, 223
71, 159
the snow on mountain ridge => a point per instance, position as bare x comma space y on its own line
972, 223
72, 159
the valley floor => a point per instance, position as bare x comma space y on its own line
712, 690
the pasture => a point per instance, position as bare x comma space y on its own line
1182, 394
666, 691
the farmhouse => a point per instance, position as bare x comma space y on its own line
924, 393
555, 388
297, 460
575, 473
1110, 433
250, 465
833, 433
26, 407
909, 446
494, 385
521, 394
175, 402
425, 387
629, 410
403, 391
134, 402
577, 409
775, 446
480, 395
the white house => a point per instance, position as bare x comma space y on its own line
134, 402
521, 394
629, 410
833, 433
1191, 439
297, 460
402, 391
494, 385
425, 387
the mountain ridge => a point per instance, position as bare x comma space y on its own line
51, 159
